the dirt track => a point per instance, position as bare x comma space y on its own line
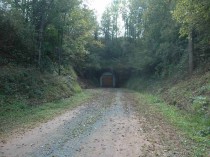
105, 127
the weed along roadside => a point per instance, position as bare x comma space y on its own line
19, 117
185, 103
194, 128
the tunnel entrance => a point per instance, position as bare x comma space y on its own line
108, 80
108, 77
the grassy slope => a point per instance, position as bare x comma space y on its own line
22, 116
185, 104
188, 124
28, 97
34, 87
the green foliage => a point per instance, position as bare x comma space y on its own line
190, 97
46, 33
193, 126
39, 41
16, 39
204, 89
54, 34
35, 87
205, 132
139, 84
152, 43
176, 91
200, 104
194, 15
19, 114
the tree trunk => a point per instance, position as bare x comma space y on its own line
40, 41
61, 45
41, 29
59, 61
190, 51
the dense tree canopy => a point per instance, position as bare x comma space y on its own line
46, 33
158, 37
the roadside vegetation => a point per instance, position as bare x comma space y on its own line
184, 104
29, 97
19, 116
194, 127
34, 87
190, 95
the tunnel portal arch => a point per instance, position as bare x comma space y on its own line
108, 80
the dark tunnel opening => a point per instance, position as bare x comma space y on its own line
108, 77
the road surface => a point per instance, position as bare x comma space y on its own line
107, 126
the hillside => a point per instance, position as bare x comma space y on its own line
189, 96
31, 86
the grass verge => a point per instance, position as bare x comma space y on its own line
20, 116
191, 125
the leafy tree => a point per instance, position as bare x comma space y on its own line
47, 33
194, 19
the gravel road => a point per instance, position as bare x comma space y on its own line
107, 126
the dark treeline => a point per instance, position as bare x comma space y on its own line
48, 34
150, 37
159, 37
41, 42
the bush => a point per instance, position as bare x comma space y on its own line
200, 105
35, 87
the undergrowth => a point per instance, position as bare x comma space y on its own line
35, 87
184, 102
25, 93
191, 94
195, 127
